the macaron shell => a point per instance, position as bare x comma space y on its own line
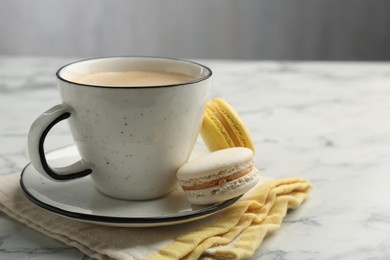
224, 192
223, 128
215, 162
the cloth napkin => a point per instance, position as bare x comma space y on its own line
234, 233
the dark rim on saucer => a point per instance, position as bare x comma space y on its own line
209, 72
124, 220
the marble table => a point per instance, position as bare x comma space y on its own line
328, 122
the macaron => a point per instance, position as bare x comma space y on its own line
223, 128
218, 176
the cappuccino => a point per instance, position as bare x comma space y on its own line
133, 78
131, 134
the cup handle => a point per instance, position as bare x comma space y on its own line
36, 138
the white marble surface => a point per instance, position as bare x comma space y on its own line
327, 122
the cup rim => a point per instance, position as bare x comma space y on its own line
135, 87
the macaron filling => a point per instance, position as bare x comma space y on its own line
219, 181
226, 191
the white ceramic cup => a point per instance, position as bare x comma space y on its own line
131, 140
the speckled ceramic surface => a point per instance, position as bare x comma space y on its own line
132, 139
80, 200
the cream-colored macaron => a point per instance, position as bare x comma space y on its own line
218, 176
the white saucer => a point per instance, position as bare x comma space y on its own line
80, 200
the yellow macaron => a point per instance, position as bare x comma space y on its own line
223, 128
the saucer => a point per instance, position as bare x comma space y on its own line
80, 200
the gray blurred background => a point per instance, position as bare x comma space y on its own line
201, 29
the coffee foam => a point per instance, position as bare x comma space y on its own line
133, 78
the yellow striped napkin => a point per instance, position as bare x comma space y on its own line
234, 233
